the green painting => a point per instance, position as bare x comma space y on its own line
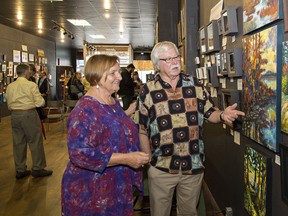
256, 196
284, 107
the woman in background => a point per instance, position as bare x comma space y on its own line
103, 146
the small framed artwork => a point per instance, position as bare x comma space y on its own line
202, 40
10, 64
16, 56
257, 182
31, 57
284, 172
285, 9
223, 63
219, 25
234, 62
213, 42
10, 71
229, 21
24, 57
24, 48
4, 67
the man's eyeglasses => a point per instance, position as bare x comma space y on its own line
171, 59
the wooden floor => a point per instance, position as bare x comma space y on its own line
32, 196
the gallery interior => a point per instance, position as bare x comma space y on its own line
238, 49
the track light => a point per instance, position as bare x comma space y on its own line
62, 29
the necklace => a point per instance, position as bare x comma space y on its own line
107, 103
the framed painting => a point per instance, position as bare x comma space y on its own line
257, 182
261, 93
285, 10
257, 14
284, 101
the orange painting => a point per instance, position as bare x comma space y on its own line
257, 14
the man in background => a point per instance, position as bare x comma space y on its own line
126, 91
43, 85
23, 97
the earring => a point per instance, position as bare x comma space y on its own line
97, 86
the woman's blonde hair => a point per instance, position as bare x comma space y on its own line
97, 65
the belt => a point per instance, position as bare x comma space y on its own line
21, 110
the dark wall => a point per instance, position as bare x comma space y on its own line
225, 159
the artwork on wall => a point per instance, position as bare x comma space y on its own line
261, 100
24, 57
257, 14
257, 183
285, 10
284, 101
31, 57
16, 56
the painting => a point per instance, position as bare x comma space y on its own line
257, 183
284, 96
257, 14
285, 9
261, 100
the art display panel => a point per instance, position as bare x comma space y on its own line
261, 79
257, 183
284, 97
257, 14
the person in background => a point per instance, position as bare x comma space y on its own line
138, 83
43, 86
34, 77
23, 97
103, 146
126, 91
170, 113
75, 86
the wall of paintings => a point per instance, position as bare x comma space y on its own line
16, 47
243, 53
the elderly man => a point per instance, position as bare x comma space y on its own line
23, 97
170, 112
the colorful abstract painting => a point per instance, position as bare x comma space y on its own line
284, 99
256, 176
260, 98
258, 13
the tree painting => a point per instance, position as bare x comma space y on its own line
258, 13
284, 99
255, 179
260, 86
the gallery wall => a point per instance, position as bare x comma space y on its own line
226, 154
13, 39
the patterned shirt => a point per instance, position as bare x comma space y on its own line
173, 121
89, 186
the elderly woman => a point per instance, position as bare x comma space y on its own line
103, 146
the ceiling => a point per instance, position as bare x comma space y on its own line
138, 18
